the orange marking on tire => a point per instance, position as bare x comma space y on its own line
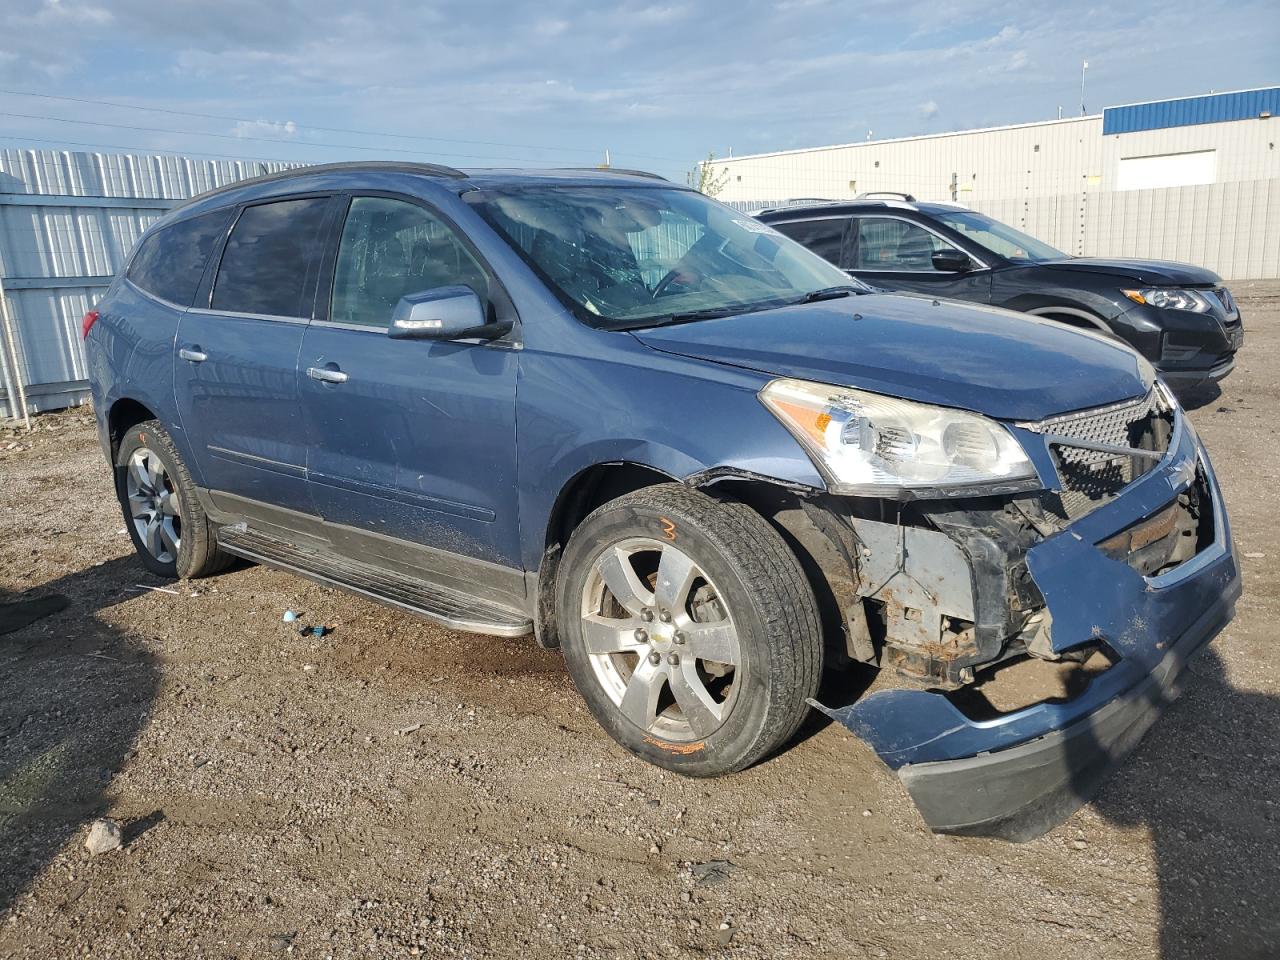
683, 749
668, 528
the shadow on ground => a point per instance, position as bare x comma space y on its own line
74, 693
1194, 398
1205, 783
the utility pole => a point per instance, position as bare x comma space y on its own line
1084, 65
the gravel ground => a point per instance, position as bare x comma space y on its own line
395, 789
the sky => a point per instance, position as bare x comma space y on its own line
658, 85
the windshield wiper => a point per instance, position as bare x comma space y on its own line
711, 313
830, 293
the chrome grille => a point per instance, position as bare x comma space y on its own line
1091, 478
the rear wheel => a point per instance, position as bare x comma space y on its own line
689, 628
162, 515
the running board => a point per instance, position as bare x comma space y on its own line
454, 609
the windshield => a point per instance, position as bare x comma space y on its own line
639, 256
998, 237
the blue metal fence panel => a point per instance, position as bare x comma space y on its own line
1212, 108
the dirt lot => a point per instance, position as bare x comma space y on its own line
395, 789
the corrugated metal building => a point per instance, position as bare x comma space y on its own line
1195, 178
67, 222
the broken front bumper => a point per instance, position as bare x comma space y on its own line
1020, 774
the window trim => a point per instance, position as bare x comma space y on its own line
210, 281
877, 215
142, 291
503, 305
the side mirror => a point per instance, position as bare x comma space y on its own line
951, 260
445, 313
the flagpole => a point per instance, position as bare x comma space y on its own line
1084, 65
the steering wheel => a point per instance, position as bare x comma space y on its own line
672, 276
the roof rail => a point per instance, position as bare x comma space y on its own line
622, 170
879, 194
394, 166
794, 202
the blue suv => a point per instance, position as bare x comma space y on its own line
659, 435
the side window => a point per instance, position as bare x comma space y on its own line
824, 237
170, 262
391, 248
267, 263
886, 243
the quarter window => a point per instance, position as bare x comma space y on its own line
390, 249
266, 267
885, 243
170, 262
824, 237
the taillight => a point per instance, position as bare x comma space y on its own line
89, 320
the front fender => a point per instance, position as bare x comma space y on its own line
678, 416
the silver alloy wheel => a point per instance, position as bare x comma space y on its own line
153, 505
660, 639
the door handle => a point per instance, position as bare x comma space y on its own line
326, 375
195, 356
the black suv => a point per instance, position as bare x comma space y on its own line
1178, 316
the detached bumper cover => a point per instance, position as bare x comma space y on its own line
1021, 774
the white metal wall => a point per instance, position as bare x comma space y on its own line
67, 223
1057, 180
1231, 228
1000, 163
1003, 162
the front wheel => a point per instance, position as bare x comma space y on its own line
689, 628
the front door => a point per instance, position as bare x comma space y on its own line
894, 253
237, 357
412, 442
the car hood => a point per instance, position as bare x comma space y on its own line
1003, 364
1141, 271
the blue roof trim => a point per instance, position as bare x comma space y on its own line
1213, 108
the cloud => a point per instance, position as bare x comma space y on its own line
550, 28
53, 11
658, 14
258, 128
668, 78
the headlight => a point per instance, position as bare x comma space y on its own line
866, 443
1170, 298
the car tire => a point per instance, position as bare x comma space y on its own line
162, 514
708, 579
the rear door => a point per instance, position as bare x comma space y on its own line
411, 441
236, 381
895, 253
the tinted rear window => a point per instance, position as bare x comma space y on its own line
170, 262
266, 268
823, 237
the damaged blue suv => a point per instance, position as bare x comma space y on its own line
675, 444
